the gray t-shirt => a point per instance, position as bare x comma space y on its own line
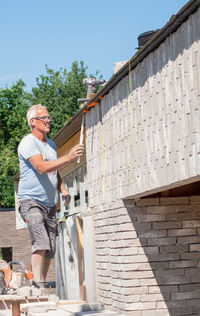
33, 185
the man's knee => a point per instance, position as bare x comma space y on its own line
39, 253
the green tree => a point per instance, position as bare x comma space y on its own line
14, 103
59, 91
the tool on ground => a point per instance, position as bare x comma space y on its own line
21, 274
5, 276
3, 289
12, 279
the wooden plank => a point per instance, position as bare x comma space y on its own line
16, 308
66, 147
71, 258
165, 193
79, 225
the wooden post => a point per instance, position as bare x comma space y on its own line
79, 224
81, 136
16, 308
80, 247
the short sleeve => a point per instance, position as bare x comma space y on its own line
28, 148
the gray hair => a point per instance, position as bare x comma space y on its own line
32, 112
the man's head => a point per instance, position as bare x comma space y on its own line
38, 118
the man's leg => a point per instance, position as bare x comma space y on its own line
35, 215
46, 267
38, 266
51, 228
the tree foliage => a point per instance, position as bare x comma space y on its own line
14, 103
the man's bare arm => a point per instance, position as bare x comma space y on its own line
61, 187
44, 167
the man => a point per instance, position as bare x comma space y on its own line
39, 181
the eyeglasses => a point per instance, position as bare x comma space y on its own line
44, 118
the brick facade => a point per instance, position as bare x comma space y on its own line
19, 241
147, 256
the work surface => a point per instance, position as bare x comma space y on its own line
52, 308
7, 300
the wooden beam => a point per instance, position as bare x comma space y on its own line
79, 225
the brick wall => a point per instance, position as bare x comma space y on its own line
147, 256
18, 240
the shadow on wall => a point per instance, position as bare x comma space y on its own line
168, 253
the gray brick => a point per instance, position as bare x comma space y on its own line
188, 240
142, 227
195, 247
174, 248
163, 289
153, 233
146, 201
173, 280
192, 223
151, 218
182, 264
183, 216
155, 297
161, 241
126, 275
185, 295
190, 255
172, 304
124, 251
195, 199
128, 259
124, 267
130, 290
189, 287
124, 283
148, 250
174, 200
182, 232
170, 272
192, 271
164, 257
167, 225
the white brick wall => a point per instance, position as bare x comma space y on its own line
149, 269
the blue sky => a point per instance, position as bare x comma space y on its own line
57, 32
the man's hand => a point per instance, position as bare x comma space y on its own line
75, 152
66, 197
43, 167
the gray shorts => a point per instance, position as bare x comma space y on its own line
41, 222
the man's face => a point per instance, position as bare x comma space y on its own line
41, 121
